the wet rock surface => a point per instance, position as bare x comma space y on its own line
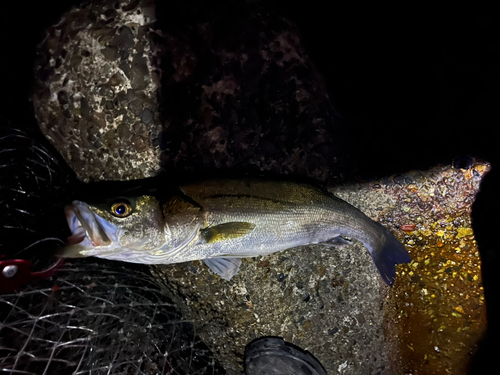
95, 81
224, 105
260, 106
436, 313
331, 301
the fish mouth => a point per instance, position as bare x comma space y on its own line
88, 229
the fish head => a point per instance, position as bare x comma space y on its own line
127, 229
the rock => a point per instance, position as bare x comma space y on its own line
135, 107
125, 38
116, 79
90, 77
147, 116
84, 106
62, 97
139, 128
110, 53
139, 77
331, 300
123, 131
125, 68
275, 312
109, 139
140, 143
94, 140
105, 90
256, 106
75, 61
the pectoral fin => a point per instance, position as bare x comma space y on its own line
224, 267
226, 231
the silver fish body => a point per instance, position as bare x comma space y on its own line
221, 221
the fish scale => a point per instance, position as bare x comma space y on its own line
219, 221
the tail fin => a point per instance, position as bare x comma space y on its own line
388, 254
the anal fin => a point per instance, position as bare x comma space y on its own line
224, 267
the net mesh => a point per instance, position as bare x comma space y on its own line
94, 318
91, 317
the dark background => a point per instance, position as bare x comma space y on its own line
416, 87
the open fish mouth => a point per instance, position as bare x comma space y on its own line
88, 229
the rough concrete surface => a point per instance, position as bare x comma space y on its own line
325, 300
241, 93
96, 90
258, 106
332, 302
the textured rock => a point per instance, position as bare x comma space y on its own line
257, 106
327, 300
332, 301
94, 76
238, 93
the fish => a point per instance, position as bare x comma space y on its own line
221, 221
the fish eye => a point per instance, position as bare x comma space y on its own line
121, 209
